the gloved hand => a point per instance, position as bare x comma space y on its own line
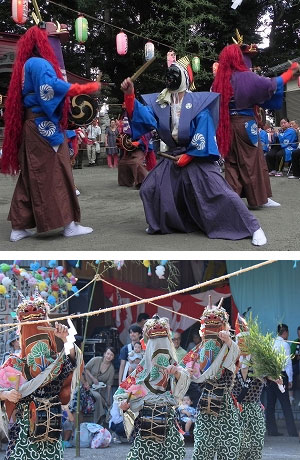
184, 160
288, 75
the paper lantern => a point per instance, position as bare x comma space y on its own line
149, 51
81, 29
19, 11
171, 58
122, 43
196, 64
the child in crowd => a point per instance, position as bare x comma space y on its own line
187, 414
135, 356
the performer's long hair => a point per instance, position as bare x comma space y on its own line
33, 43
230, 60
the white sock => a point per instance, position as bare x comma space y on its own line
17, 235
259, 238
74, 229
270, 204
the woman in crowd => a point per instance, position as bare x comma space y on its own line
99, 373
111, 134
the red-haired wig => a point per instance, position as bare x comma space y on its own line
34, 42
230, 60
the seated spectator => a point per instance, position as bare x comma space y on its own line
99, 374
68, 426
196, 340
180, 352
116, 424
287, 138
264, 139
135, 356
135, 333
187, 414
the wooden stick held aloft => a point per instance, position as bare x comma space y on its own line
142, 69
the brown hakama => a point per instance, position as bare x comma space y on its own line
44, 196
131, 170
245, 166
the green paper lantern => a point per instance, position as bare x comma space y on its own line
196, 64
81, 29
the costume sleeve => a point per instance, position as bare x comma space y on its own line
50, 90
251, 89
142, 121
275, 102
289, 366
231, 357
181, 386
203, 142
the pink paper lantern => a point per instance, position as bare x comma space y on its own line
122, 43
19, 11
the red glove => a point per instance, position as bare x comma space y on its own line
288, 75
184, 160
87, 88
129, 103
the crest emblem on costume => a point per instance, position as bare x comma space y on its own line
188, 105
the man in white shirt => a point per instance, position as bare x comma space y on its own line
93, 133
273, 391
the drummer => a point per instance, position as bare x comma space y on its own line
149, 395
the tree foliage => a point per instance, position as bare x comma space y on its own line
193, 27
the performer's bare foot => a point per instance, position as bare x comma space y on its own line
17, 235
270, 204
259, 238
74, 229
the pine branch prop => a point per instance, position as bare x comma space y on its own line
265, 361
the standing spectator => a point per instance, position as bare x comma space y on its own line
273, 392
141, 319
180, 352
111, 134
196, 340
295, 351
93, 133
135, 333
288, 140
99, 373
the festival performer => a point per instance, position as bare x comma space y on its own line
237, 135
186, 192
254, 372
34, 142
212, 364
47, 380
149, 394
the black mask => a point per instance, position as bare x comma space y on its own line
173, 78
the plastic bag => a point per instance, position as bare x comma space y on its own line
101, 439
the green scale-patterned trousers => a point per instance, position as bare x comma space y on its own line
218, 434
252, 432
171, 449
